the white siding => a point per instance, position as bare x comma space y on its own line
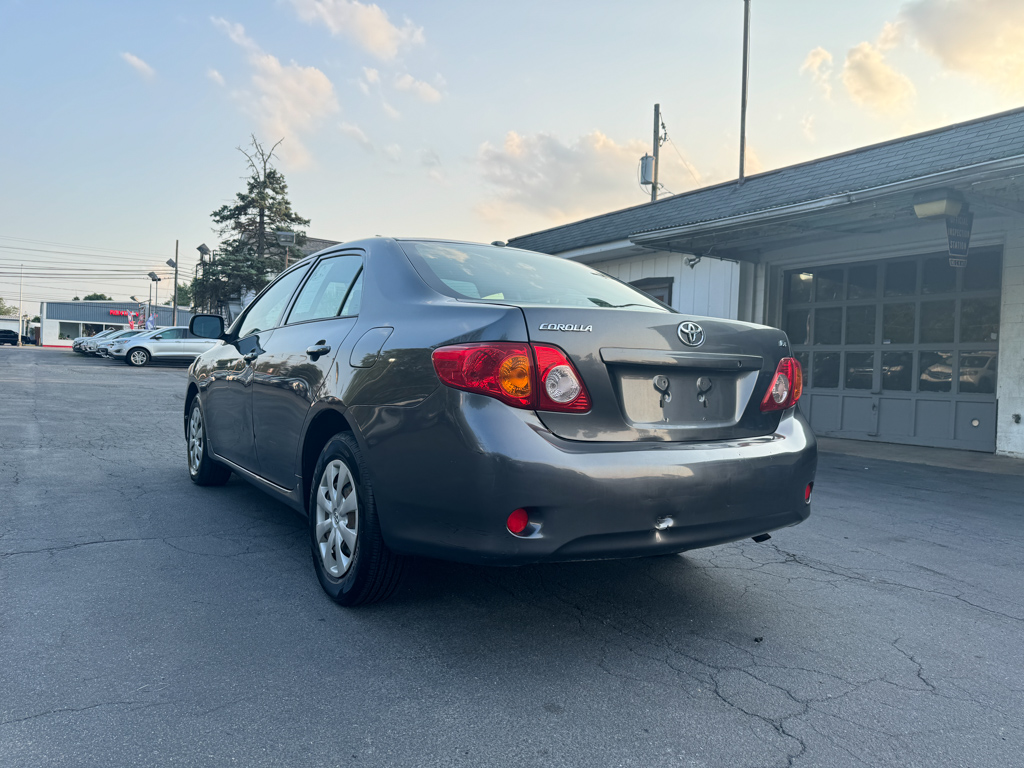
1010, 387
710, 289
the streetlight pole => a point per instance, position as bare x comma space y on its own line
743, 97
174, 302
21, 307
156, 290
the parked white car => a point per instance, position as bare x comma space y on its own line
104, 345
92, 346
78, 344
174, 343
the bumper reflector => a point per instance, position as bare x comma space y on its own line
518, 521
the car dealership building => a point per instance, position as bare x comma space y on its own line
60, 322
905, 335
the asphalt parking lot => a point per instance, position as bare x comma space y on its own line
146, 621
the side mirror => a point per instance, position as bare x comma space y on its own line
207, 326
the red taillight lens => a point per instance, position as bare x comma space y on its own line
536, 377
499, 369
786, 387
807, 492
560, 387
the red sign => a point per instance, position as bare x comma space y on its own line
120, 312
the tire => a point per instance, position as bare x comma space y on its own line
137, 357
345, 519
201, 466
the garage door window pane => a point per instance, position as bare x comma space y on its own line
979, 319
796, 325
898, 324
937, 321
826, 370
938, 277
862, 283
901, 279
860, 325
860, 367
897, 371
800, 287
978, 372
984, 272
828, 326
828, 285
936, 372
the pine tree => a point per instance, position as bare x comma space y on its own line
249, 254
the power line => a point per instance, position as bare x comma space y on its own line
85, 247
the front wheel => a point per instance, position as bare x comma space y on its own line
352, 562
201, 467
137, 357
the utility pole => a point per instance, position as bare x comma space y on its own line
743, 98
657, 150
174, 303
21, 305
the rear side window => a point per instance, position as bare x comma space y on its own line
324, 293
511, 276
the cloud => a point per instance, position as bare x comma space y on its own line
393, 152
368, 26
872, 83
290, 100
539, 174
139, 65
983, 39
819, 64
807, 126
390, 111
423, 91
431, 161
355, 132
215, 76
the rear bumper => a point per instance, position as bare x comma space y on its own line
446, 482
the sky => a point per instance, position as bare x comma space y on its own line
468, 120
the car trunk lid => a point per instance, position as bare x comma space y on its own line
646, 383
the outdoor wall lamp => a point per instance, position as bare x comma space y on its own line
937, 202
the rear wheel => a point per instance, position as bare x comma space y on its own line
201, 467
137, 357
352, 562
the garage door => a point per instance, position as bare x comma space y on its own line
901, 350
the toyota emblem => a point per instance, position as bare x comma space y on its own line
691, 334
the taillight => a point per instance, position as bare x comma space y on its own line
526, 376
786, 387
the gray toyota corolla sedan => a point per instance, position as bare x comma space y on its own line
493, 405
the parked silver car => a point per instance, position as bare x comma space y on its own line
91, 347
174, 343
104, 345
78, 344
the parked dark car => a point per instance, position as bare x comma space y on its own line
11, 337
493, 405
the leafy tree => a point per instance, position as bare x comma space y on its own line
76, 299
184, 295
96, 297
8, 309
249, 254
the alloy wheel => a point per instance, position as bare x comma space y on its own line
337, 513
195, 440
139, 357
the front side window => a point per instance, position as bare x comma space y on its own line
324, 293
510, 276
265, 313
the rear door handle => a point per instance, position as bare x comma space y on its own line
317, 350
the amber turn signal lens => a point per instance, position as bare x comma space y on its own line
514, 375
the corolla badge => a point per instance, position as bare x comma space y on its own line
691, 334
565, 327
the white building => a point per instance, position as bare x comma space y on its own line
61, 322
850, 255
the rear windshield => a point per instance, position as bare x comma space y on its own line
511, 276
